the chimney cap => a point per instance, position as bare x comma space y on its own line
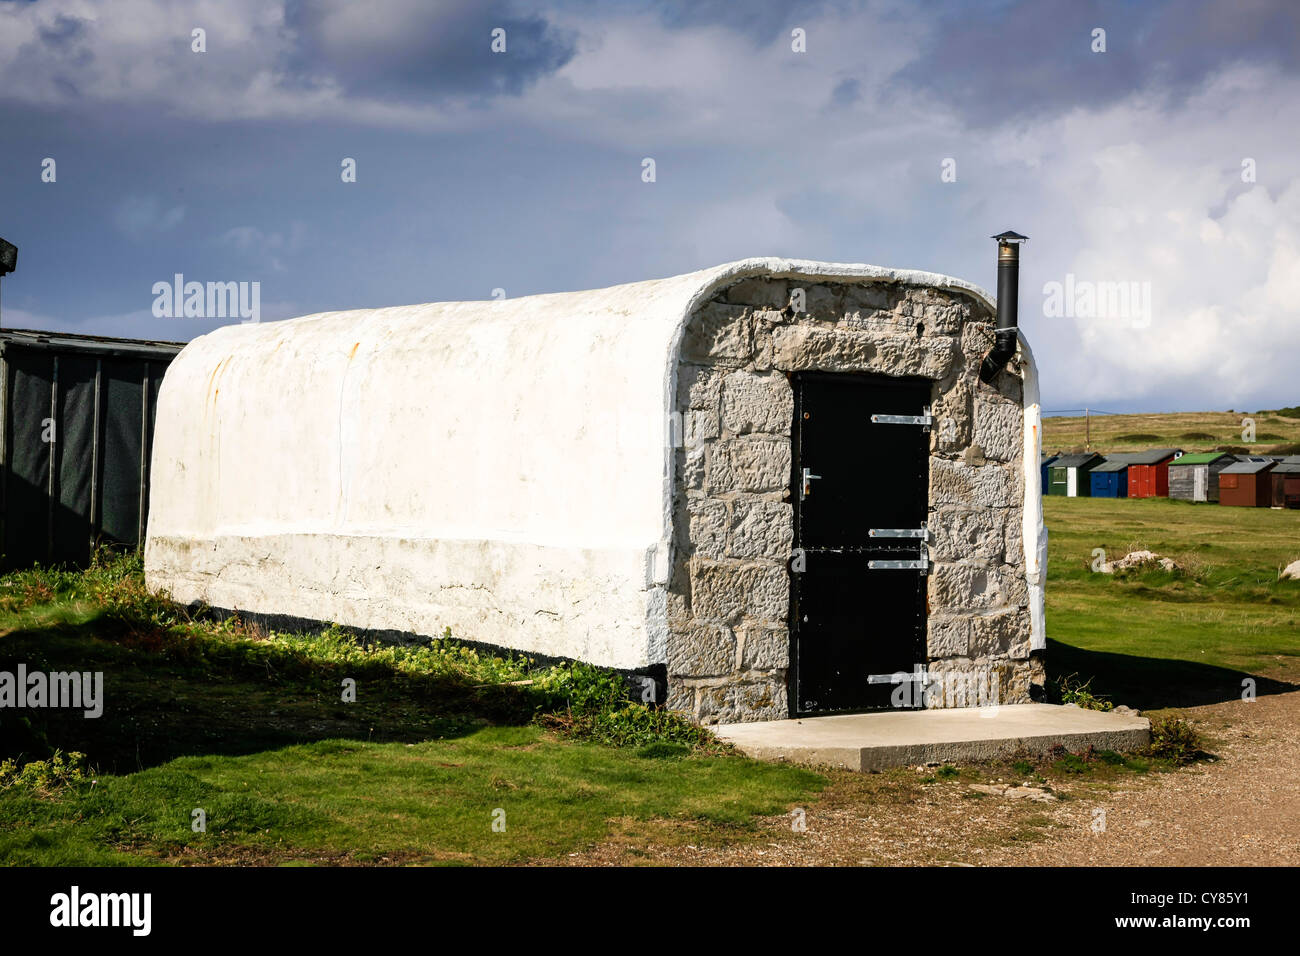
1010, 236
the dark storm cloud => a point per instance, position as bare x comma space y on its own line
1033, 57
432, 51
61, 51
63, 32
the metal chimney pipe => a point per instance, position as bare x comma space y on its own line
1004, 343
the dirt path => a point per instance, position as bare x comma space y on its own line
1243, 809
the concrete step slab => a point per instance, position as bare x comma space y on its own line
901, 738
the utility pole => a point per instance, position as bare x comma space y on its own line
1087, 430
8, 258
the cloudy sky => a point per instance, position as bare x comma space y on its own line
1162, 154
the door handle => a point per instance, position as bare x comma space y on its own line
808, 478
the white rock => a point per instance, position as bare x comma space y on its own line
1136, 559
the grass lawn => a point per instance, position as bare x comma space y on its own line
252, 729
353, 801
1159, 639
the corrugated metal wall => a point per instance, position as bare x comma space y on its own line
77, 430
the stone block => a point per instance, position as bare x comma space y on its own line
698, 387
764, 354
702, 650
952, 420
718, 333
799, 347
984, 486
730, 592
1015, 679
757, 403
1013, 550
693, 468
944, 316
700, 426
960, 587
999, 429
909, 355
948, 637
681, 697
762, 529
1015, 589
760, 698
976, 339
971, 535
876, 324
764, 648
709, 526
748, 465
1004, 634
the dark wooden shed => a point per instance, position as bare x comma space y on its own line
1246, 484
1110, 479
1148, 473
1285, 483
1069, 475
1046, 475
77, 413
1196, 477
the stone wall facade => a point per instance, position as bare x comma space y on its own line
729, 592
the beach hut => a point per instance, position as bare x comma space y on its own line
1109, 479
1196, 477
1246, 484
1285, 483
752, 488
1148, 473
1069, 474
1044, 477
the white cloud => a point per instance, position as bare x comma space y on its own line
139, 216
265, 246
1133, 195
60, 53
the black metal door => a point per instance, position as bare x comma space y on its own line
860, 491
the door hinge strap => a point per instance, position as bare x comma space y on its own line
925, 420
922, 532
921, 564
918, 675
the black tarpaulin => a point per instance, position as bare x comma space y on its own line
78, 427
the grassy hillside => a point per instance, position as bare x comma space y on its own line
1276, 432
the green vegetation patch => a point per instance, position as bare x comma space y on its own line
1153, 639
447, 754
499, 795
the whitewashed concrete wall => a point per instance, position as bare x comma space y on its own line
502, 469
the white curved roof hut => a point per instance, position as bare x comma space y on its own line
616, 476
